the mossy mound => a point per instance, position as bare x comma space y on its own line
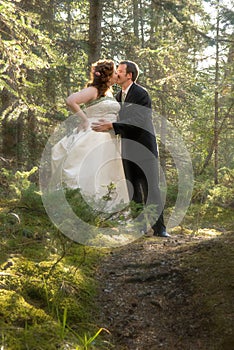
47, 291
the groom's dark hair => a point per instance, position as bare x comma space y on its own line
132, 67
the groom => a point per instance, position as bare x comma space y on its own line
139, 147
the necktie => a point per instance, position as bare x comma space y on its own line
123, 96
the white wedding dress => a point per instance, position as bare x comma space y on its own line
91, 161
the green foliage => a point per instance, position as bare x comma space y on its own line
168, 44
86, 342
47, 291
22, 181
93, 211
18, 185
20, 40
222, 194
46, 284
35, 76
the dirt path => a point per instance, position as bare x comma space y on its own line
146, 299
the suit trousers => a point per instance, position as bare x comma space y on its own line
143, 187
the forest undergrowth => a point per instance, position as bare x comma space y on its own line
51, 288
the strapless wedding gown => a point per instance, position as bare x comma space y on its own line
91, 161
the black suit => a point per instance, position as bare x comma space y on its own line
139, 150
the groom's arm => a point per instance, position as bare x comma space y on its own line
102, 124
135, 115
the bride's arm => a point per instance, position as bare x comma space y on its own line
76, 99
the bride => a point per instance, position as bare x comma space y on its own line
86, 159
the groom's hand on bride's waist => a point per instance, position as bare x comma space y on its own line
101, 125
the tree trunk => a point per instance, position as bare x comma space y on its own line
216, 102
163, 132
95, 19
8, 129
135, 19
142, 24
32, 139
69, 58
212, 147
21, 153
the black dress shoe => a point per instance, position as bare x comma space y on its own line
162, 234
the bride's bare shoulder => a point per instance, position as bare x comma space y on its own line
91, 92
85, 95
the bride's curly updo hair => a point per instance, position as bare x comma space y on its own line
100, 74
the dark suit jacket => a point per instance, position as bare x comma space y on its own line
139, 151
135, 121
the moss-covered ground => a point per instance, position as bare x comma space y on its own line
47, 289
48, 282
